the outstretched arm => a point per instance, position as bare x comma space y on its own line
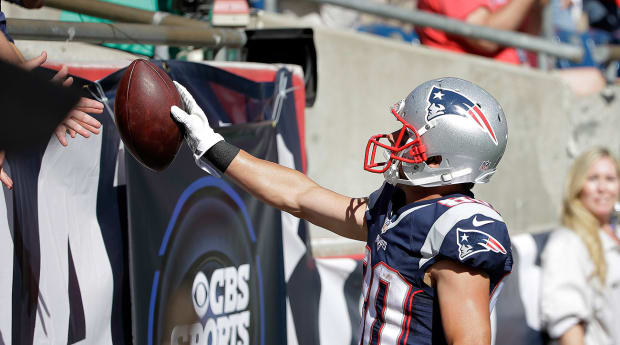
463, 294
293, 192
278, 186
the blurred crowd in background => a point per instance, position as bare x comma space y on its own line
585, 22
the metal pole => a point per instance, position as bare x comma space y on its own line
120, 13
503, 37
49, 30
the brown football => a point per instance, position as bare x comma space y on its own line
142, 113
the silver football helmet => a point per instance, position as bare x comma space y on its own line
447, 120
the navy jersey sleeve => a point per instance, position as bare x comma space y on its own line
482, 243
472, 234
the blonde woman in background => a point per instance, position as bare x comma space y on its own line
581, 261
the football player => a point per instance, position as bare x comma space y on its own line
435, 255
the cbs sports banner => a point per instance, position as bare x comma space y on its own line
206, 257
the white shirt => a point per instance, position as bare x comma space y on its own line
572, 293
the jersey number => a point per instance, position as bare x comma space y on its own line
386, 312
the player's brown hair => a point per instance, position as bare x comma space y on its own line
576, 216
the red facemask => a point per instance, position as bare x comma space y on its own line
407, 147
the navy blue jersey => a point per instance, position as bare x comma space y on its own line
399, 308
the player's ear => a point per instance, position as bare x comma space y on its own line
434, 161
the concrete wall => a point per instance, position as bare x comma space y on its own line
361, 76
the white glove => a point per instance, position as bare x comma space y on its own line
199, 136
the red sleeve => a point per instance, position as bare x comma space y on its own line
461, 9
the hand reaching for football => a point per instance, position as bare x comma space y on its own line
77, 120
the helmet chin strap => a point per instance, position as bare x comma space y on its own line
392, 177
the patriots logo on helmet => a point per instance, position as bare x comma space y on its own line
449, 102
471, 242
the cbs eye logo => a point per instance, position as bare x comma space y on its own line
226, 314
208, 292
236, 295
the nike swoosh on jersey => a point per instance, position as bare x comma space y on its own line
403, 215
477, 223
